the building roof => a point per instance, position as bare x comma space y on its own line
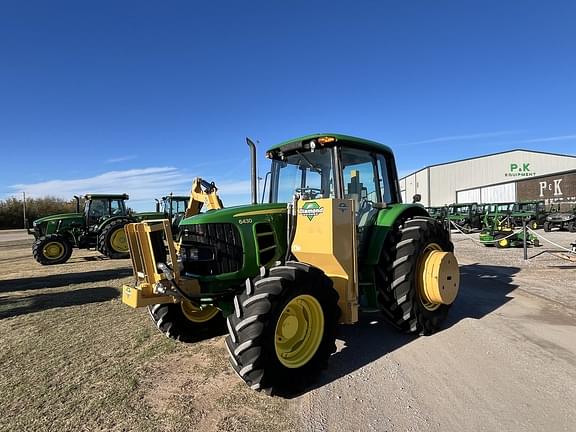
485, 156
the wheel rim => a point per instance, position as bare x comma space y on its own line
198, 314
118, 241
503, 242
437, 278
53, 250
299, 331
534, 225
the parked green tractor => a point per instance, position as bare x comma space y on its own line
100, 226
334, 237
533, 212
438, 213
173, 207
466, 216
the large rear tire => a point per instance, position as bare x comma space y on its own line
283, 329
112, 241
396, 275
187, 323
51, 249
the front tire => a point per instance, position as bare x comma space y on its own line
547, 227
283, 329
51, 249
112, 241
397, 275
186, 322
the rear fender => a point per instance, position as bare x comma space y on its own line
385, 221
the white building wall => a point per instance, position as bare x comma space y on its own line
498, 194
468, 196
447, 179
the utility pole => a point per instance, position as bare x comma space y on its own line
24, 208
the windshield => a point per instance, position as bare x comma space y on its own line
178, 206
308, 174
461, 209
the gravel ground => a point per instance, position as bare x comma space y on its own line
505, 361
74, 358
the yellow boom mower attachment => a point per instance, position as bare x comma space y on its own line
157, 281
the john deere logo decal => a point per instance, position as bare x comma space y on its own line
311, 209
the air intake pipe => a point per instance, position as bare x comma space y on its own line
253, 175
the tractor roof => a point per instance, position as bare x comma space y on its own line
106, 196
343, 140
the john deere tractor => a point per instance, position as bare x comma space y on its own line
333, 239
100, 226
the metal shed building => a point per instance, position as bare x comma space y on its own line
515, 175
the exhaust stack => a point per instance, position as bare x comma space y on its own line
253, 175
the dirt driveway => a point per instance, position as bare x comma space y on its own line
74, 358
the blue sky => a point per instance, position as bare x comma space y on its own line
140, 97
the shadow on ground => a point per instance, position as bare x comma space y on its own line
63, 279
483, 289
24, 305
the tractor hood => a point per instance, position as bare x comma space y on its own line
58, 217
232, 214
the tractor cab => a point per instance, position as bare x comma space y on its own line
338, 167
174, 207
99, 207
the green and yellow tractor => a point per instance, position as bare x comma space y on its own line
278, 277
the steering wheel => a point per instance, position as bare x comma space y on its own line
308, 192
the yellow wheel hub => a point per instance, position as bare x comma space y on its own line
53, 250
438, 277
299, 331
118, 241
503, 242
198, 314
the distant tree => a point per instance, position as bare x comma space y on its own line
11, 215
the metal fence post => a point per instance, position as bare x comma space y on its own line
525, 243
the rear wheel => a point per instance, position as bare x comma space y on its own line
51, 249
572, 226
283, 328
417, 277
547, 226
188, 322
533, 224
112, 241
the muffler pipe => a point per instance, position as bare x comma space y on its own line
253, 175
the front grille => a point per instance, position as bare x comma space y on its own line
266, 242
211, 249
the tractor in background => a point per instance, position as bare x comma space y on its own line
334, 238
99, 226
467, 216
534, 212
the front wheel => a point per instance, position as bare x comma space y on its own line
418, 276
283, 328
572, 227
51, 249
186, 321
547, 227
